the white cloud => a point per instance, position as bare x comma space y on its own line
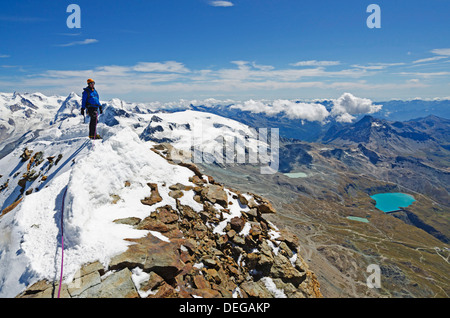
169, 66
430, 59
113, 70
306, 111
445, 51
221, 3
4, 56
253, 72
61, 75
348, 105
173, 76
413, 81
343, 110
255, 107
69, 34
376, 66
292, 109
369, 67
84, 42
138, 75
440, 55
263, 67
425, 74
241, 64
316, 63
345, 118
242, 78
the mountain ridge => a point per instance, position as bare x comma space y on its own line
335, 181
136, 223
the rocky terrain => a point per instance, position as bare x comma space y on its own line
248, 257
410, 246
413, 262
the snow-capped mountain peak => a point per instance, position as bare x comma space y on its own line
69, 108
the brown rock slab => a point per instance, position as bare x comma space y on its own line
151, 254
154, 195
215, 194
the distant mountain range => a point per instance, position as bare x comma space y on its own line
402, 110
21, 111
410, 137
395, 110
328, 181
414, 153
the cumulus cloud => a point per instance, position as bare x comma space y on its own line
345, 118
293, 110
348, 105
305, 111
343, 110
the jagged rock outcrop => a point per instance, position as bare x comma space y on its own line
32, 173
187, 253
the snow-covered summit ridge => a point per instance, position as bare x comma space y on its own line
91, 177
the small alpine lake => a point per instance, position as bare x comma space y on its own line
389, 202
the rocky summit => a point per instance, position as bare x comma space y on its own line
228, 249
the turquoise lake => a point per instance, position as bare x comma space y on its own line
388, 202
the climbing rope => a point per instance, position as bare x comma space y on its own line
62, 225
62, 242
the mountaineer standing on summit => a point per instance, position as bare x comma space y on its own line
91, 102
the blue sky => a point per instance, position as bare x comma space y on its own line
166, 50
